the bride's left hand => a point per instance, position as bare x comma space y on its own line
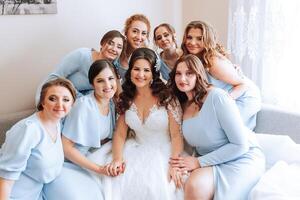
176, 175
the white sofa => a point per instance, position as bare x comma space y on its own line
273, 120
270, 120
8, 120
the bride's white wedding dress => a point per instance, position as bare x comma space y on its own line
146, 158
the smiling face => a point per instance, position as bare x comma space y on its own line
112, 49
194, 41
141, 74
57, 102
105, 84
185, 78
137, 34
164, 38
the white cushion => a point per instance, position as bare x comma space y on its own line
278, 147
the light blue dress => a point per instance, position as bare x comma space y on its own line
249, 103
164, 70
31, 158
86, 127
75, 67
223, 142
121, 69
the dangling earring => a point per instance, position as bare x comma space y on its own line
151, 82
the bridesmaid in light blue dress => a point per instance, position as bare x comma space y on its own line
229, 160
32, 155
200, 39
88, 125
165, 39
136, 30
75, 65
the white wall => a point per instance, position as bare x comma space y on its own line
215, 12
31, 45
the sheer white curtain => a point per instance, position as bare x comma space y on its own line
264, 39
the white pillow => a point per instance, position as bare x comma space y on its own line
278, 147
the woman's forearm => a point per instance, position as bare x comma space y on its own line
72, 154
177, 145
76, 157
5, 188
238, 90
119, 139
175, 118
117, 147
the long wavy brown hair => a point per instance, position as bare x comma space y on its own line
158, 87
201, 86
211, 47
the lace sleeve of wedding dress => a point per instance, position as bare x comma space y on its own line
175, 109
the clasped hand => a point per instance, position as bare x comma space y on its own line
115, 168
180, 167
186, 164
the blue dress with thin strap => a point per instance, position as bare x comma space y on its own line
164, 70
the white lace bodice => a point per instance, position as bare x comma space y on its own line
155, 128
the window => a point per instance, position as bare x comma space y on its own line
264, 38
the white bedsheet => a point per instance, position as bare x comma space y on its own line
278, 147
281, 182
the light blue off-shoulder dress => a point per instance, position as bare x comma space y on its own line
86, 127
30, 158
224, 143
249, 103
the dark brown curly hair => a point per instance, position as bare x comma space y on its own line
158, 87
201, 86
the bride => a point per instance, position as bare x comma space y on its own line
147, 135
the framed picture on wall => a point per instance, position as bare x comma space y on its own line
27, 7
